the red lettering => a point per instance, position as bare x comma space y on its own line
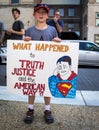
30, 89
32, 64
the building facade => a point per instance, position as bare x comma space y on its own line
90, 20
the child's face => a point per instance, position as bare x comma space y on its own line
41, 15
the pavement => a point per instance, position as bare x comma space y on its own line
80, 113
89, 98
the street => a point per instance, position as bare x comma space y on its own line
88, 78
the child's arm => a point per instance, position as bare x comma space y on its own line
27, 38
56, 39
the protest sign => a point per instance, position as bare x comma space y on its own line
42, 68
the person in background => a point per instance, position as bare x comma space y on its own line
2, 32
17, 31
41, 31
57, 22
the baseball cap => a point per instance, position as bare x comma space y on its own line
41, 5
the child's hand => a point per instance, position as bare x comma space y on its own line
27, 38
56, 39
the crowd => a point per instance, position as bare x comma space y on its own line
17, 31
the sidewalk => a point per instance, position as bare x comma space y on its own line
89, 98
81, 113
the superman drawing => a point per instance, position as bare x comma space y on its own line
63, 82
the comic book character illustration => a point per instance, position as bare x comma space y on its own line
63, 82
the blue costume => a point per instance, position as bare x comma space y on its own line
63, 88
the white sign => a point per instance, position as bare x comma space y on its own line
42, 68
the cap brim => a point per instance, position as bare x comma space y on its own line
44, 6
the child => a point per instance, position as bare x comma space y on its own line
44, 32
17, 30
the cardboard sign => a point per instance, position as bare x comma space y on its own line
42, 68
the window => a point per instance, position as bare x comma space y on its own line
61, 12
71, 25
97, 19
71, 12
97, 1
85, 19
88, 46
96, 37
14, 1
51, 12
